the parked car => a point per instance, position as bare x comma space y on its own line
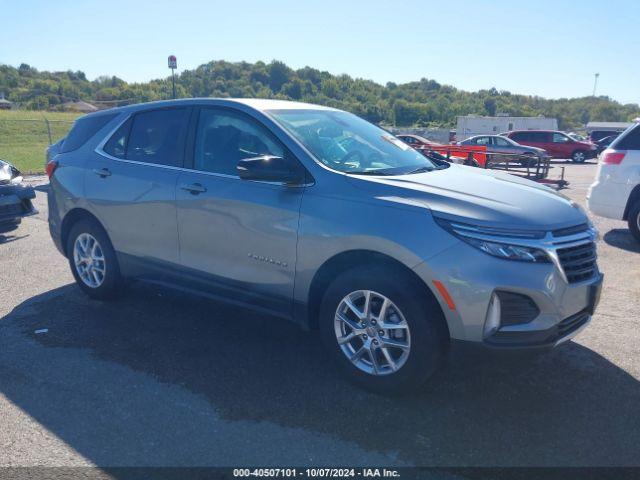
15, 198
603, 143
423, 146
312, 214
596, 135
616, 190
557, 144
416, 140
527, 155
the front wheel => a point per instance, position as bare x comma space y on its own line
383, 331
578, 156
633, 220
93, 261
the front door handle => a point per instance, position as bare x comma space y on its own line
194, 188
103, 172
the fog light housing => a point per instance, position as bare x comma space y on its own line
492, 322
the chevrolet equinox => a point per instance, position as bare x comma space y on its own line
312, 214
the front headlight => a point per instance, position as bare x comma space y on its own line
492, 241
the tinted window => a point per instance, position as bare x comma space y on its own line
538, 137
483, 141
83, 130
224, 138
628, 141
116, 146
520, 137
501, 142
157, 136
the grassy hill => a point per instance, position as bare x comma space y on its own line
24, 136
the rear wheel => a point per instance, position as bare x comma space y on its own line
579, 156
384, 332
633, 220
93, 261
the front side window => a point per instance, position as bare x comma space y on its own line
344, 142
157, 136
560, 138
224, 138
501, 142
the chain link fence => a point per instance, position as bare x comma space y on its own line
23, 141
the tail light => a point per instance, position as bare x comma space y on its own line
51, 167
611, 157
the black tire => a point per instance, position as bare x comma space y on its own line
579, 156
112, 280
427, 326
528, 160
633, 219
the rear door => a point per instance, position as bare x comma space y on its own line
237, 238
130, 183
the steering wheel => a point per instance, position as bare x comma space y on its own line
350, 155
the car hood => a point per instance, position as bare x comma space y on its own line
482, 197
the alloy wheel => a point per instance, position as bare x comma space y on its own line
372, 332
88, 258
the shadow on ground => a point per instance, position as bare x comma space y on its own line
622, 238
570, 406
7, 238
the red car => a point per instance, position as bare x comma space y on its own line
557, 144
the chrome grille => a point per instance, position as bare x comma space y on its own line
578, 262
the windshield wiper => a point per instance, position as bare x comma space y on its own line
369, 172
421, 169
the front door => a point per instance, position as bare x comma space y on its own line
238, 237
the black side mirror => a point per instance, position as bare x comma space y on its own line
269, 168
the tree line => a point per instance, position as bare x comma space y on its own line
423, 103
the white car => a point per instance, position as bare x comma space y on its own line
616, 190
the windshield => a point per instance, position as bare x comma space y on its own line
344, 142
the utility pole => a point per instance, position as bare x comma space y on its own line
595, 83
173, 64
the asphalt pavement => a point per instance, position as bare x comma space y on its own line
160, 378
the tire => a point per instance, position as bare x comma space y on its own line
528, 160
427, 335
579, 156
633, 219
107, 285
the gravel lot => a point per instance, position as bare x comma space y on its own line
159, 378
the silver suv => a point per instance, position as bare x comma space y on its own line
314, 215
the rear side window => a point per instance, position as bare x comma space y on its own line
116, 146
629, 140
157, 136
83, 130
520, 137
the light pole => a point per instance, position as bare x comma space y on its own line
595, 83
173, 64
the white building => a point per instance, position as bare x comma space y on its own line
471, 125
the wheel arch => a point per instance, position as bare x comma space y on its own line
347, 260
70, 219
634, 197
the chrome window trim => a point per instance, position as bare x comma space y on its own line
100, 151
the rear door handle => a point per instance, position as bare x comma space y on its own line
194, 188
103, 172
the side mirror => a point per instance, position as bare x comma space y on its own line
269, 168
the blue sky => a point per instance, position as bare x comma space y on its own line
542, 47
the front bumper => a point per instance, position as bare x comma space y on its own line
15, 203
472, 278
